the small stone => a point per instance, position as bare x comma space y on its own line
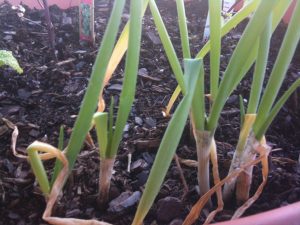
23, 94
90, 212
138, 120
293, 197
150, 122
233, 99
155, 39
126, 16
71, 87
142, 178
176, 222
115, 87
13, 109
66, 20
169, 208
138, 166
8, 37
73, 213
34, 133
3, 130
126, 128
149, 158
13, 216
237, 36
143, 72
79, 65
124, 201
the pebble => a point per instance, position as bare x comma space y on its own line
148, 157
138, 166
23, 94
13, 216
143, 72
34, 133
79, 65
73, 213
176, 222
90, 212
168, 209
8, 37
142, 178
138, 120
233, 99
150, 122
126, 128
3, 130
293, 197
66, 20
124, 201
155, 39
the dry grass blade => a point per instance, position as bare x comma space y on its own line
196, 210
14, 137
106, 166
186, 187
215, 170
89, 140
49, 153
57, 187
263, 151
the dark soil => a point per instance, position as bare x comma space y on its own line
49, 93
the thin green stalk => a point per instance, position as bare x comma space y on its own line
183, 29
131, 68
230, 24
165, 39
232, 74
260, 67
263, 128
278, 13
61, 139
110, 123
215, 45
89, 103
280, 68
169, 142
38, 169
242, 109
101, 123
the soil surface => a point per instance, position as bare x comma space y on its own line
48, 95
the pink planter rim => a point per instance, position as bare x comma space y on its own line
289, 214
63, 4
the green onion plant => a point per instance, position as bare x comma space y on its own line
108, 138
262, 107
265, 18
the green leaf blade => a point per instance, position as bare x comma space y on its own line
169, 143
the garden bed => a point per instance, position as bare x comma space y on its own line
48, 95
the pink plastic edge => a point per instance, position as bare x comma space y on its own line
289, 215
63, 4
